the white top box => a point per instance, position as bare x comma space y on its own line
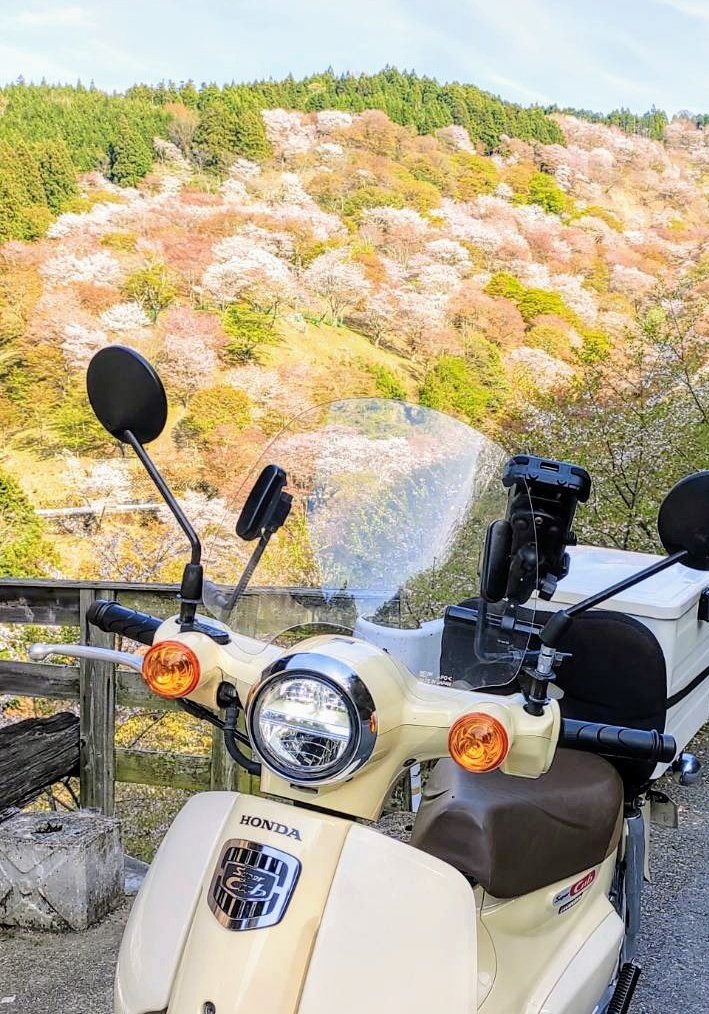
666, 596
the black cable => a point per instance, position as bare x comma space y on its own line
231, 735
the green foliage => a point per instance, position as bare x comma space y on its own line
469, 387
535, 302
124, 242
506, 285
24, 552
530, 302
152, 288
23, 204
75, 426
550, 339
546, 192
651, 124
250, 332
386, 382
129, 156
211, 408
58, 175
476, 176
227, 129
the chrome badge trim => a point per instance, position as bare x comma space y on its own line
252, 885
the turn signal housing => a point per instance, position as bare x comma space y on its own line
478, 742
171, 669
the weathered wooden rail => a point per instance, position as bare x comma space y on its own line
99, 687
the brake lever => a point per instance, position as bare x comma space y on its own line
39, 652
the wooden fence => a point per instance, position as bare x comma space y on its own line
99, 686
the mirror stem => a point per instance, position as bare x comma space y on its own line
248, 571
192, 577
167, 496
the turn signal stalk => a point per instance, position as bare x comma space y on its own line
478, 742
171, 669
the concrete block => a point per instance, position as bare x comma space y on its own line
59, 871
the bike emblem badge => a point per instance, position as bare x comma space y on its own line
252, 885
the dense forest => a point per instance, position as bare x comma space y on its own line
49, 133
541, 275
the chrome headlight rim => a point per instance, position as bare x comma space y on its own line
358, 700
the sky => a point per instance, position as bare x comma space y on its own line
593, 54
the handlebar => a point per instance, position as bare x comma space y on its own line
617, 741
114, 619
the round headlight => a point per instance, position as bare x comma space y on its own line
310, 727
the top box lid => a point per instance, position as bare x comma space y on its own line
666, 596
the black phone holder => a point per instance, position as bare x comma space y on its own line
526, 551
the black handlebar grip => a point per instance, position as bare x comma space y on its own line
115, 619
617, 741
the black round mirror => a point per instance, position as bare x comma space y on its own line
683, 521
126, 394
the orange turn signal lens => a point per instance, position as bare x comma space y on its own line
171, 669
478, 742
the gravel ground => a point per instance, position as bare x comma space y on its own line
72, 974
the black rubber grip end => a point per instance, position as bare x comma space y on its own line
115, 619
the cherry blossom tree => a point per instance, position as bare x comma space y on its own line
337, 281
287, 132
125, 317
190, 363
398, 232
81, 343
249, 272
101, 268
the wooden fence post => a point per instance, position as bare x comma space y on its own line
97, 702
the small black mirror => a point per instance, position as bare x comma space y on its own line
126, 394
683, 521
266, 506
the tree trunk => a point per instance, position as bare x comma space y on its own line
36, 753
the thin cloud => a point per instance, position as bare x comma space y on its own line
71, 16
690, 8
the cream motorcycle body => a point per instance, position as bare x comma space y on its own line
349, 910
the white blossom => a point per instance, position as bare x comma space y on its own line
81, 343
101, 268
124, 317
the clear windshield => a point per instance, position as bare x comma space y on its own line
391, 503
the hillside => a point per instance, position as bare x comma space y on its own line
353, 256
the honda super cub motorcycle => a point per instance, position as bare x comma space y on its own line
521, 888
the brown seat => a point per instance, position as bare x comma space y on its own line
515, 835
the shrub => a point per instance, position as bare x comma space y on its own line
24, 552
124, 242
211, 408
550, 339
386, 382
152, 288
250, 331
469, 387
